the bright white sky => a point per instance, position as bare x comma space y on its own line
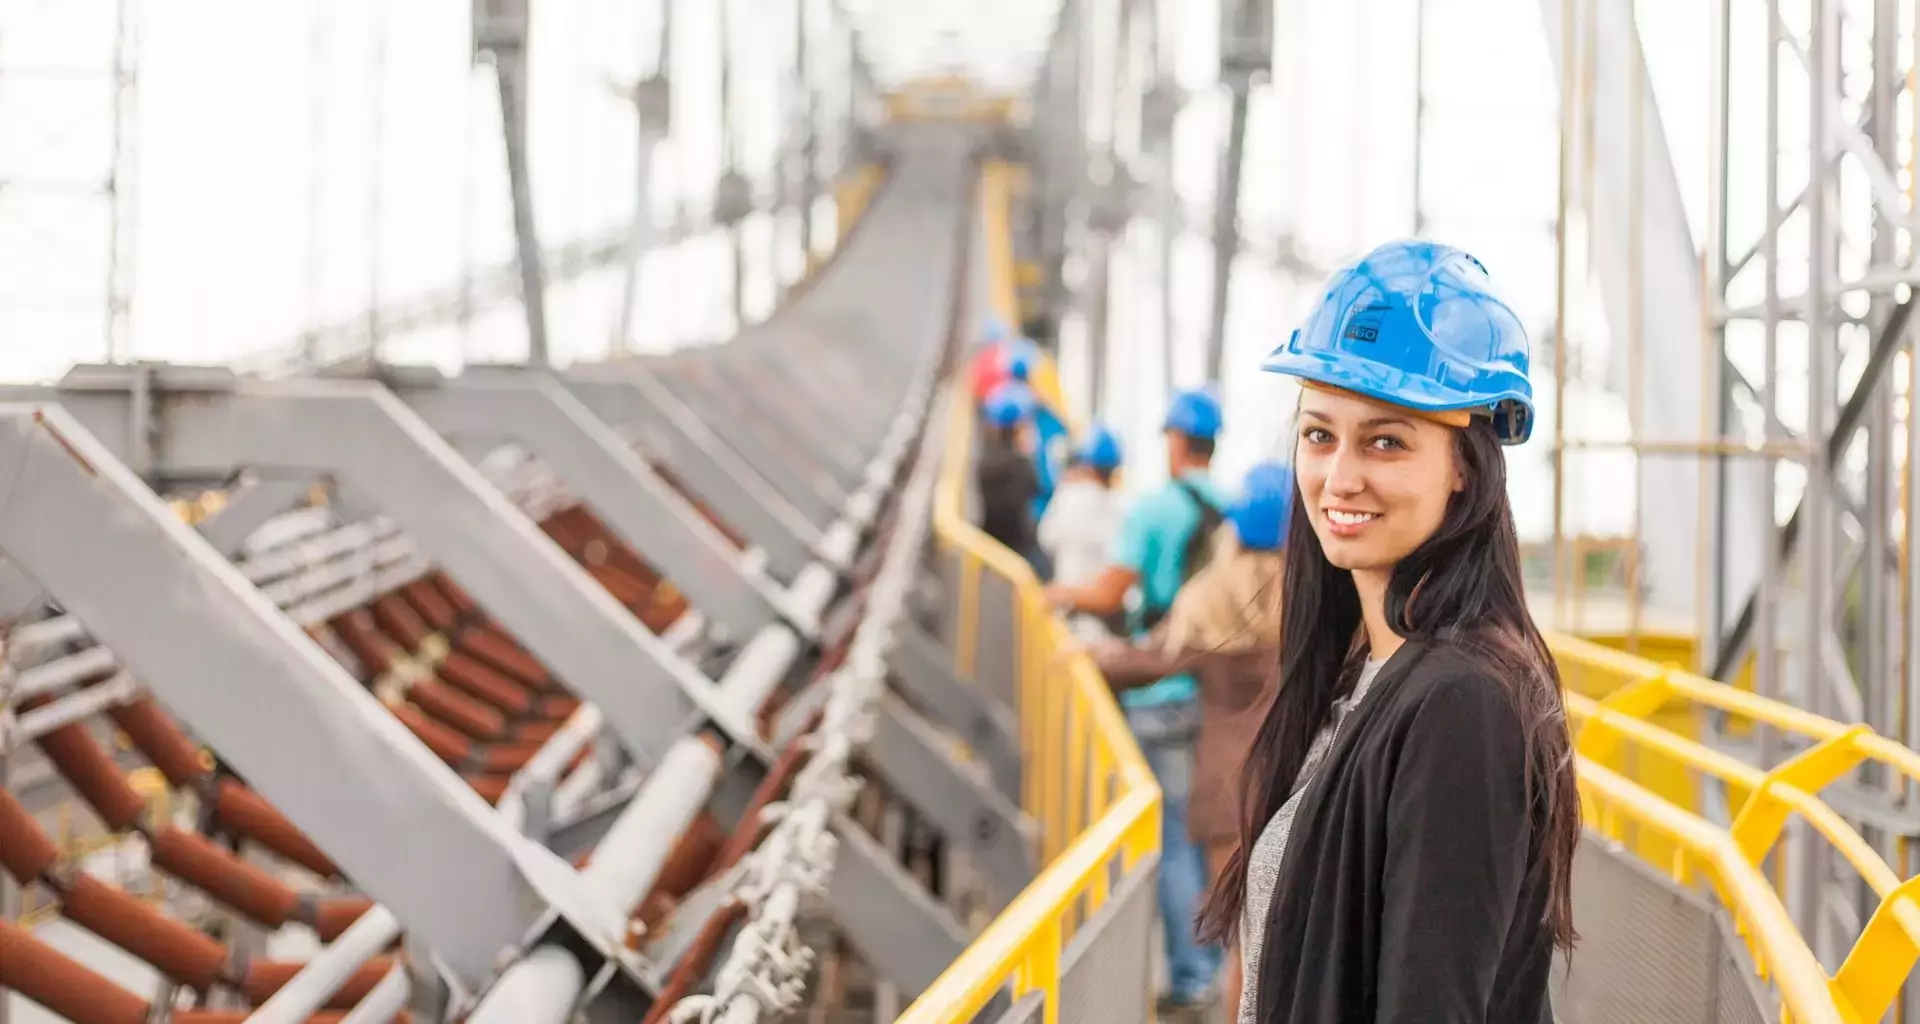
269, 196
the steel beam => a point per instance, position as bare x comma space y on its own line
553, 426
975, 817
381, 455
248, 509
666, 430
300, 729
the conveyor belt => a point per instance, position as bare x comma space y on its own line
427, 595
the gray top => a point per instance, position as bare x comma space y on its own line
1263, 866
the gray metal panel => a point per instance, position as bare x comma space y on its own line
1029, 1009
218, 653
957, 799
1649, 950
249, 508
923, 671
667, 432
653, 520
810, 491
996, 655
1106, 973
907, 936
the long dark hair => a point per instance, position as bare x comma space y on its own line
1468, 579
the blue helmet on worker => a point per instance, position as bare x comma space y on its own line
1100, 449
1418, 325
1265, 504
1010, 405
1194, 413
1021, 357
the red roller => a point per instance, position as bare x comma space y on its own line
362, 638
334, 916
457, 596
67, 989
455, 708
237, 808
91, 771
446, 742
490, 787
477, 679
491, 645
180, 953
534, 732
734, 537
557, 707
432, 605
265, 977
25, 850
248, 814
398, 620
216, 871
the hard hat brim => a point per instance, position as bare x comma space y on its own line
1392, 386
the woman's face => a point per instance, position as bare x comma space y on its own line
1375, 479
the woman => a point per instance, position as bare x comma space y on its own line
1224, 628
1407, 837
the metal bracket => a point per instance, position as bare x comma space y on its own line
381, 455
342, 768
974, 816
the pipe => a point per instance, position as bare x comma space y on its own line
756, 672
627, 862
324, 974
543, 986
540, 989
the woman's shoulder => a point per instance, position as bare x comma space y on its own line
1458, 682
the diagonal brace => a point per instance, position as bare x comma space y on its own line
668, 431
277, 708
380, 455
621, 488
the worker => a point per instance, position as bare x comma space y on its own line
1406, 846
1163, 541
1004, 470
1224, 628
1081, 522
988, 368
1053, 438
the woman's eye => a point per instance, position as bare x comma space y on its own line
1315, 435
1387, 443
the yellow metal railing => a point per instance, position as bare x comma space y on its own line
1885, 954
1085, 781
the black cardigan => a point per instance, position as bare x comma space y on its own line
1405, 892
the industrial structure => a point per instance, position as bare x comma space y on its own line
664, 677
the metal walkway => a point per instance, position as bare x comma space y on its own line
683, 688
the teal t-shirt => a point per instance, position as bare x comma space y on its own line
1053, 440
1152, 541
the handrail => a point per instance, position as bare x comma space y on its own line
1778, 949
1074, 738
1888, 949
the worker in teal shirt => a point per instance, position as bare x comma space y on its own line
1162, 541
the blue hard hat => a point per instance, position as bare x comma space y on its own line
1021, 354
1009, 404
1101, 448
1259, 515
1195, 414
1419, 325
